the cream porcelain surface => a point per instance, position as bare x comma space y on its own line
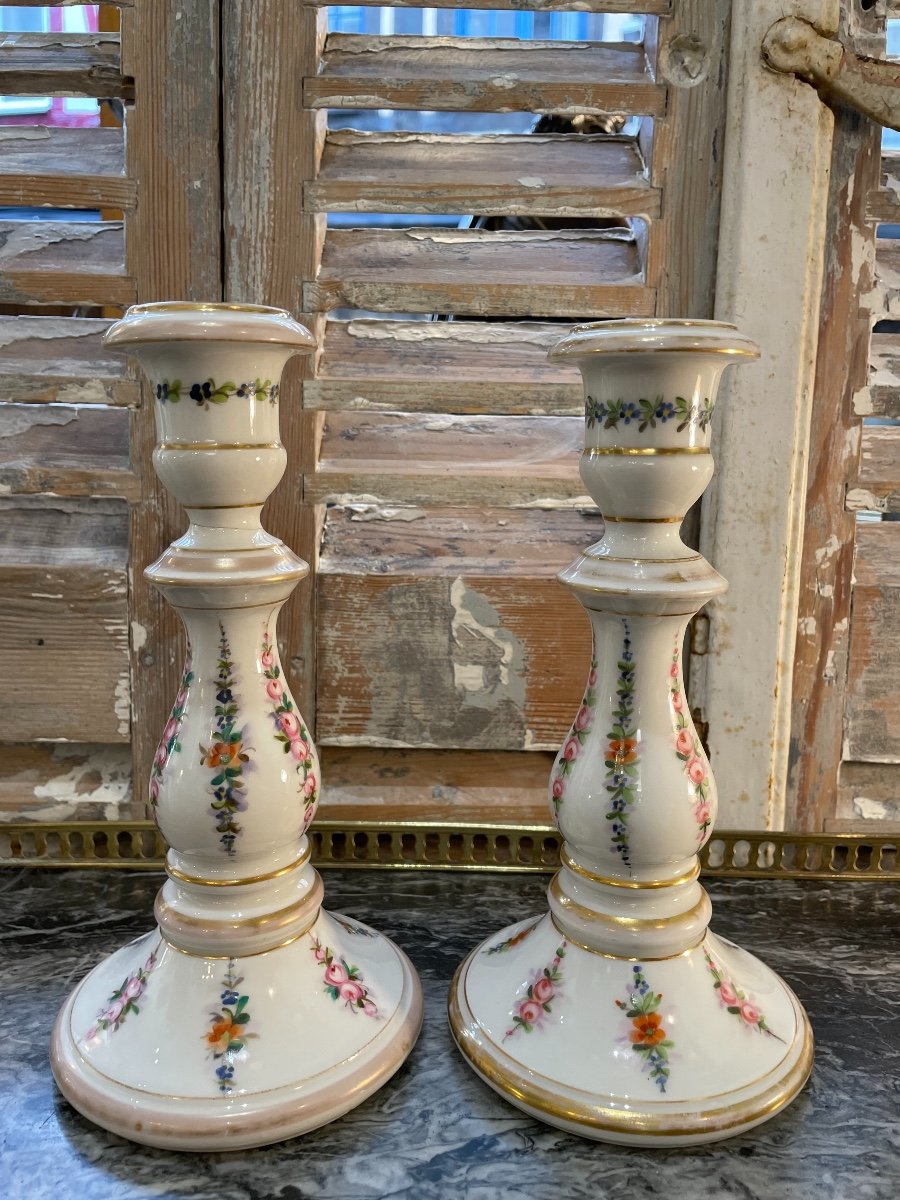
250, 1014
619, 1015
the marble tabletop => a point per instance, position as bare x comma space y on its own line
435, 1130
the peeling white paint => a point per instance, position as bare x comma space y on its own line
807, 626
385, 512
138, 636
829, 674
19, 418
862, 402
99, 775
528, 332
873, 810
859, 500
551, 502
122, 703
475, 621
532, 181
828, 551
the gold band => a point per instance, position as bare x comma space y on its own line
641, 520
568, 861
563, 933
219, 446
183, 877
246, 954
596, 451
629, 924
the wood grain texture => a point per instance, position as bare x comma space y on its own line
565, 175
480, 273
483, 74
62, 64
422, 460
65, 168
873, 687
173, 251
396, 784
60, 360
64, 262
271, 145
826, 569
877, 483
463, 636
443, 366
477, 662
884, 200
64, 669
66, 450
686, 155
883, 396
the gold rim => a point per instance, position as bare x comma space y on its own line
568, 861
637, 924
623, 957
204, 954
641, 520
210, 446
500, 1071
210, 306
642, 451
197, 881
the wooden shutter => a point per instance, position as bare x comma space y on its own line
87, 657
436, 489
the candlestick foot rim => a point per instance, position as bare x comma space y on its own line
612, 1111
313, 1057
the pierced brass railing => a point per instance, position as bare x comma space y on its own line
435, 846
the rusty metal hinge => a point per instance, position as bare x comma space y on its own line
871, 86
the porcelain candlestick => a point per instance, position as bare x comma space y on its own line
619, 1015
250, 1014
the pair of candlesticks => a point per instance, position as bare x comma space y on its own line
251, 1014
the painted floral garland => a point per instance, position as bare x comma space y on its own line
647, 1034
622, 754
172, 391
578, 734
226, 756
689, 750
530, 1012
169, 743
646, 413
228, 1033
508, 943
736, 1001
343, 981
289, 729
124, 999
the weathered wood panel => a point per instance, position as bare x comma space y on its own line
869, 792
884, 201
272, 245
887, 262
61, 360
67, 781
64, 672
65, 450
567, 175
442, 785
486, 649
422, 460
442, 366
64, 168
62, 64
823, 616
882, 397
877, 484
64, 262
873, 688
480, 273
484, 74
173, 250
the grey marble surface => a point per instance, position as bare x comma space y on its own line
435, 1130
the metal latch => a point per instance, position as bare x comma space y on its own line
871, 86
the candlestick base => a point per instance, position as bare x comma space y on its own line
186, 1052
659, 1052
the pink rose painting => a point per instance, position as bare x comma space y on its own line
274, 690
344, 982
124, 1000
289, 729
735, 1001
684, 743
531, 1010
578, 735
688, 749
